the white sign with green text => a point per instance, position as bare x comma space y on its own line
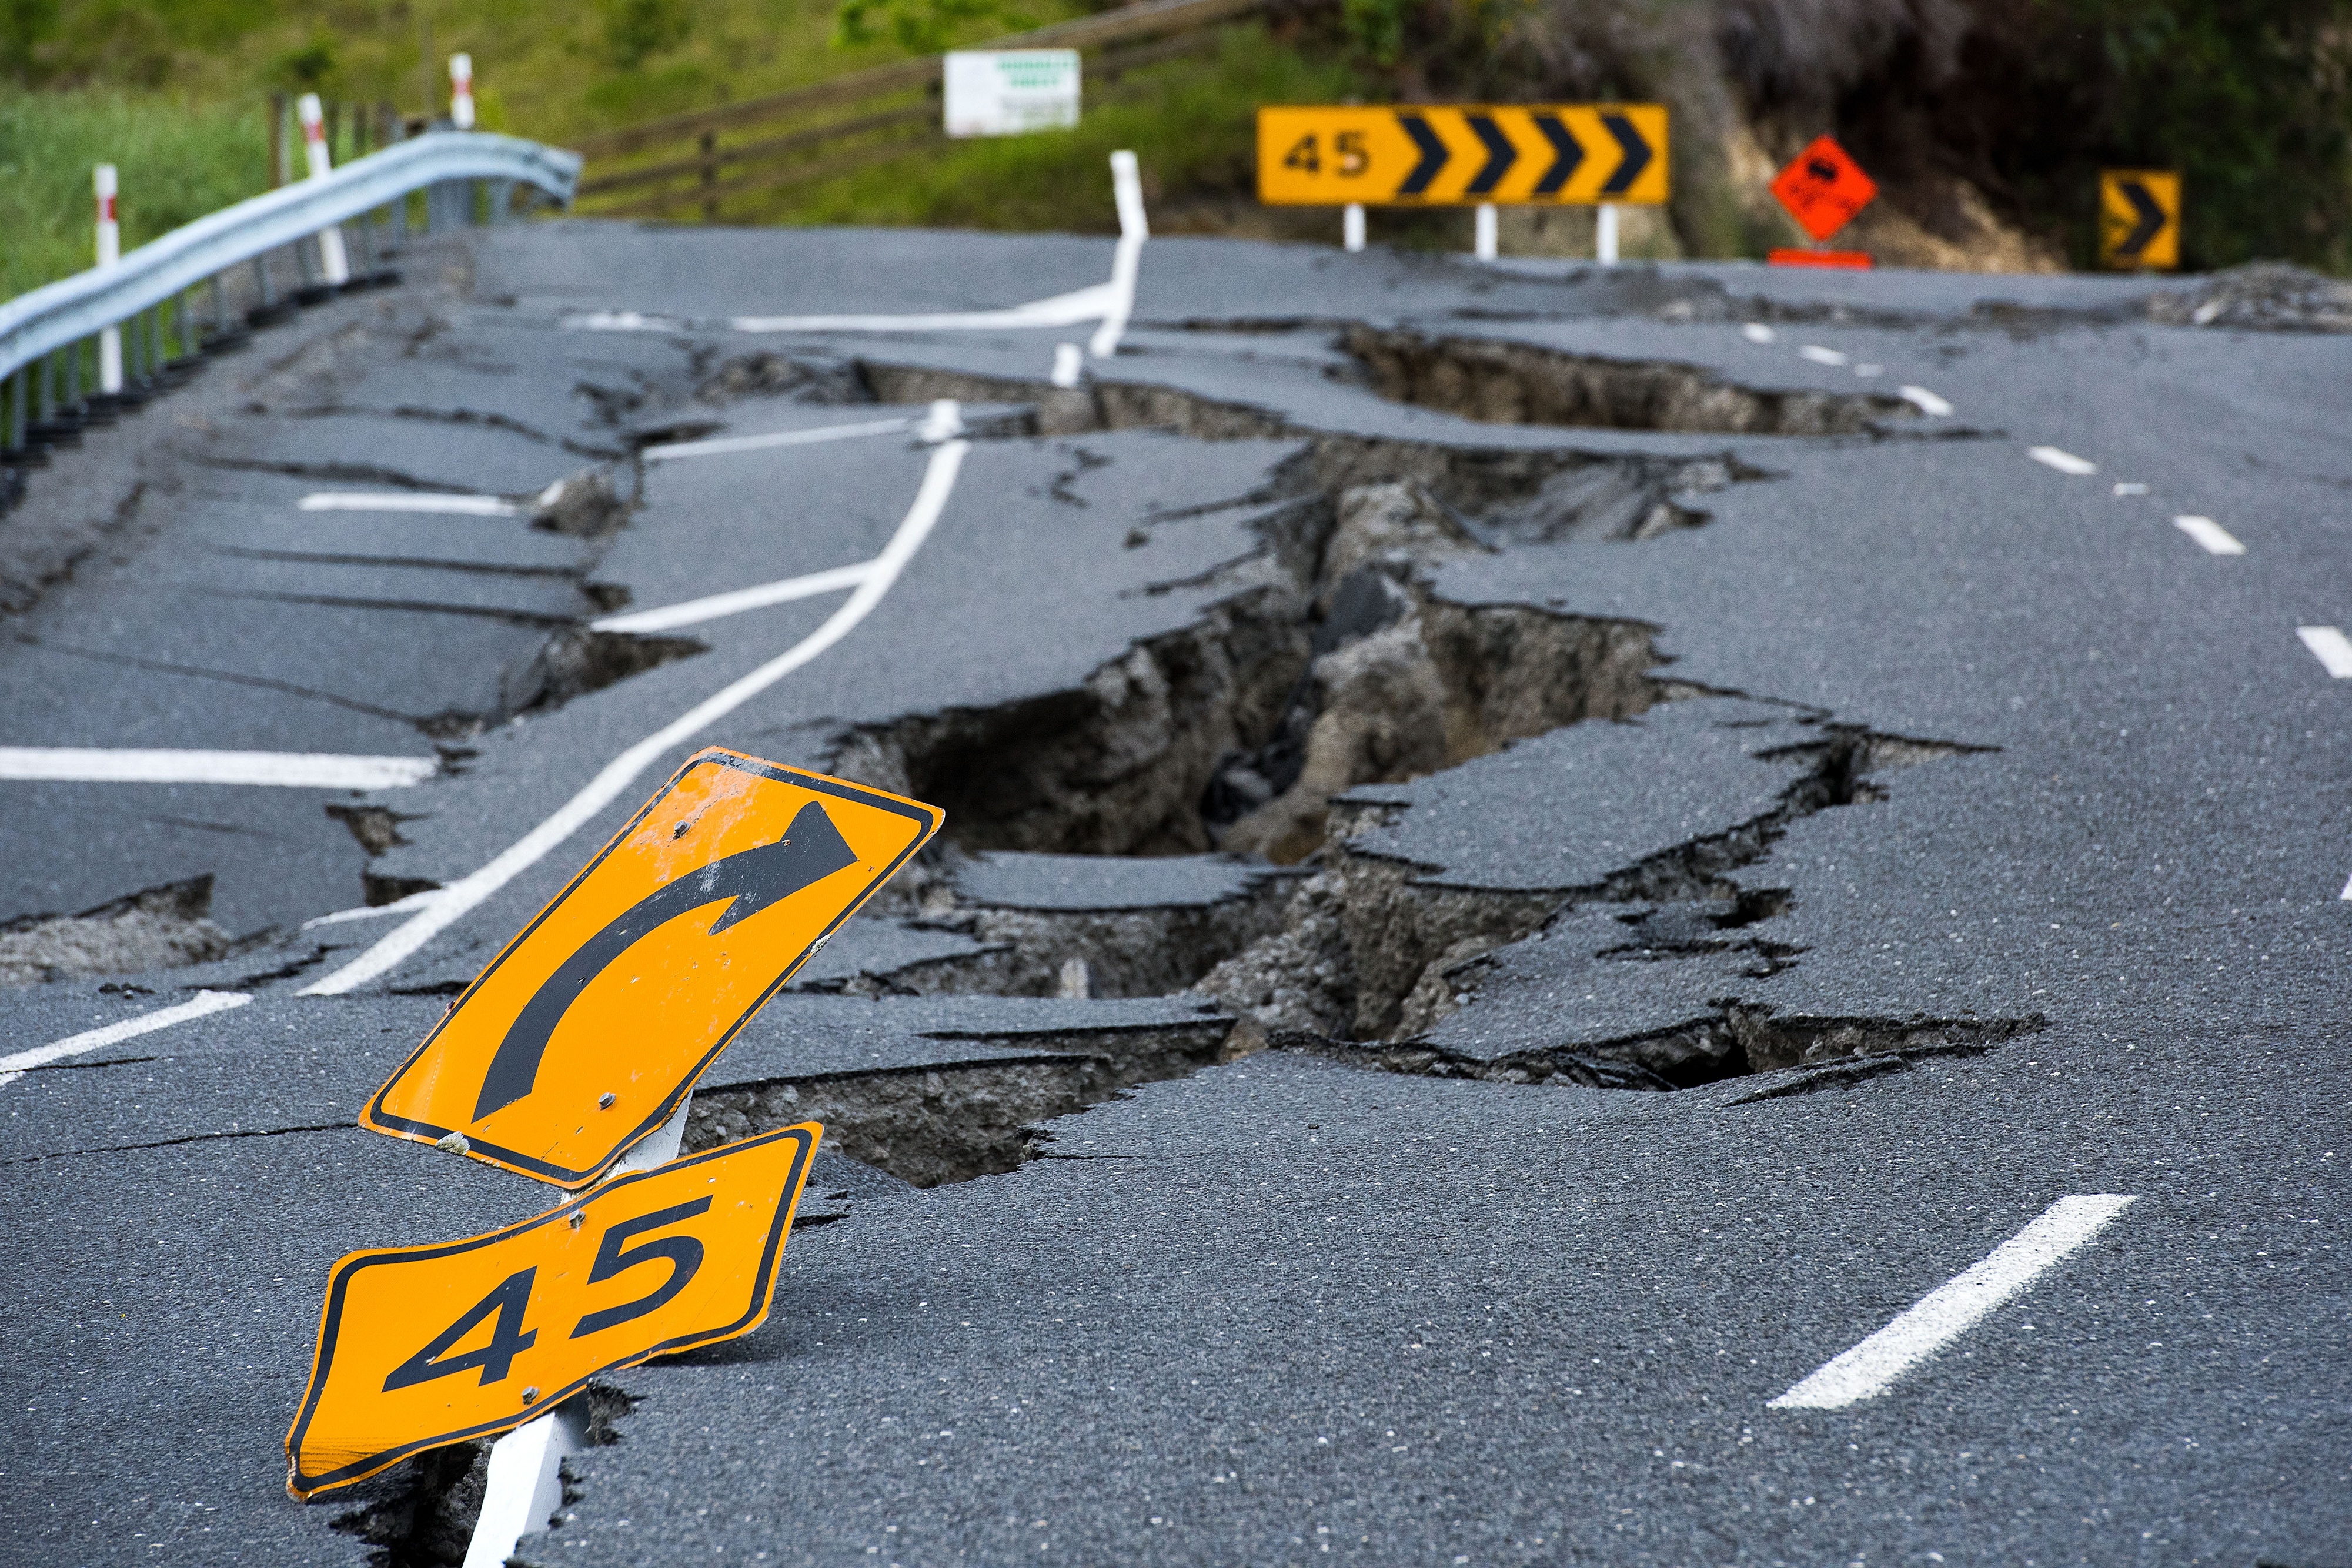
1005, 92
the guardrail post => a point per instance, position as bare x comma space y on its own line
21, 385
110, 254
264, 286
710, 176
277, 139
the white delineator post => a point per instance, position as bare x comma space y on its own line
1351, 227
1126, 192
526, 1480
331, 259
461, 91
1604, 235
1486, 228
110, 254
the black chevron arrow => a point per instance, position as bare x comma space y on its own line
810, 850
1635, 158
1432, 154
2151, 219
1566, 153
1500, 154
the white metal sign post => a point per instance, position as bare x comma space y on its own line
1005, 92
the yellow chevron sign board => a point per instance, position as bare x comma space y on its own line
1424, 155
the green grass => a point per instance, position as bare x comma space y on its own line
1190, 122
176, 161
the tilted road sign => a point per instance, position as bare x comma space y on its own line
420, 1346
584, 1035
1823, 188
2140, 217
1462, 155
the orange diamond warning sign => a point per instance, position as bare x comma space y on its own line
586, 1033
1823, 188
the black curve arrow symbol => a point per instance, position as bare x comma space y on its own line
1500, 154
1432, 154
2151, 219
1567, 154
1635, 158
810, 850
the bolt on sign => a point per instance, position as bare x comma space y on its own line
587, 1033
1421, 155
1823, 188
419, 1346
2139, 218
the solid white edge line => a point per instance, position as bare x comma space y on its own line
2217, 540
718, 445
1926, 401
2330, 647
372, 910
694, 611
2063, 461
525, 1484
286, 770
360, 501
1127, 193
1086, 304
459, 897
2346, 894
1949, 1310
12, 1068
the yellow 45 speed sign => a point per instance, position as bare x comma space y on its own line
1462, 155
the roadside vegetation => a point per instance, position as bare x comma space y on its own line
1986, 121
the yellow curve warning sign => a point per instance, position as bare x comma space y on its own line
584, 1035
2139, 218
420, 1346
1462, 155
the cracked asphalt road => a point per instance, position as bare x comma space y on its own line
1761, 874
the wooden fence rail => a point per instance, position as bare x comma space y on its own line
679, 162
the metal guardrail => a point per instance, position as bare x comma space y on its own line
46, 403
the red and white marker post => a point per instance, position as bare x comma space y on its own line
110, 254
461, 91
331, 259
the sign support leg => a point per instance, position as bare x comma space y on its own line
1486, 228
1604, 235
1352, 226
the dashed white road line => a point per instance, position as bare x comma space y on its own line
1757, 332
2063, 461
14, 1067
2330, 647
1820, 355
288, 770
451, 903
694, 611
719, 445
1926, 401
1952, 1308
409, 501
2217, 540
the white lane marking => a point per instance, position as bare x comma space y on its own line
1127, 193
2130, 487
718, 446
1820, 355
2216, 538
1070, 364
408, 501
12, 1068
1757, 332
1088, 304
1952, 1308
1870, 370
2063, 461
694, 611
1927, 403
2346, 894
371, 911
524, 1486
2330, 647
625, 321
944, 422
290, 770
455, 900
